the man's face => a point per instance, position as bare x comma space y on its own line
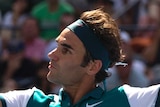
65, 61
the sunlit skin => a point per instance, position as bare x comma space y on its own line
65, 66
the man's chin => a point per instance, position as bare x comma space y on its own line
50, 78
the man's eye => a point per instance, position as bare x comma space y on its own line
65, 51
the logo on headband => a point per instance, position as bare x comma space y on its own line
79, 24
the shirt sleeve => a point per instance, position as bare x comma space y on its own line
16, 98
142, 97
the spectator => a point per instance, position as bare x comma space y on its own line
11, 22
155, 74
79, 6
13, 19
17, 15
107, 4
132, 74
16, 67
151, 53
0, 47
34, 45
48, 13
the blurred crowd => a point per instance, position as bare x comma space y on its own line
28, 30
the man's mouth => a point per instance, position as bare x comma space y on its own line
51, 65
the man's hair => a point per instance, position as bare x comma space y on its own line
106, 29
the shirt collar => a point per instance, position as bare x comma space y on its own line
96, 93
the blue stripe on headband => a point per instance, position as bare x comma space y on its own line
90, 41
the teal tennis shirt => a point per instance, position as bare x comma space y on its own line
124, 96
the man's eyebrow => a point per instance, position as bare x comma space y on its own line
65, 45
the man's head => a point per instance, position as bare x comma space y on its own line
81, 61
106, 29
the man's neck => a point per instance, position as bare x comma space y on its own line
77, 91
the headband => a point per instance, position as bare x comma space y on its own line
91, 42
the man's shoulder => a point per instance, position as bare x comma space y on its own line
112, 98
115, 97
117, 92
39, 98
28, 98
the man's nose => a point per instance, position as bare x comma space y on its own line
53, 55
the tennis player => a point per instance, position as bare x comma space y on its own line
85, 51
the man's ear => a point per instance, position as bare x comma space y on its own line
94, 67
